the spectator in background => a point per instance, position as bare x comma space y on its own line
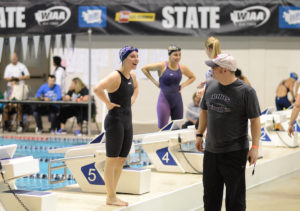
284, 87
193, 111
1, 104
60, 74
77, 93
17, 70
238, 74
47, 92
19, 92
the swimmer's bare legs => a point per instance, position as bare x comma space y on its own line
112, 172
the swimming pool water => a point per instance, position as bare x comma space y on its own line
39, 150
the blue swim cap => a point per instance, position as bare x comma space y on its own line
124, 52
294, 76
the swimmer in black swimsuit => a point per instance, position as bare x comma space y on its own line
122, 89
285, 86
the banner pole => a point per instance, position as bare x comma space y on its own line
90, 87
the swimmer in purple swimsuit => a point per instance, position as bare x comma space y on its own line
170, 75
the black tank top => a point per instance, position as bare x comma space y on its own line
123, 95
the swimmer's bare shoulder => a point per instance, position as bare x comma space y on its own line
112, 81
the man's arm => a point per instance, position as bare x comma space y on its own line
40, 92
25, 73
201, 129
7, 76
255, 133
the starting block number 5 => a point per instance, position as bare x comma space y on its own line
165, 157
91, 174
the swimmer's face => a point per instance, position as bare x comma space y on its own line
175, 56
132, 60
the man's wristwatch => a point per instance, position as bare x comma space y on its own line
199, 135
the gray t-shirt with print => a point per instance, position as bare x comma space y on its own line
228, 110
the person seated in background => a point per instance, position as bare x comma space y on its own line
19, 92
77, 93
1, 104
284, 87
193, 111
47, 92
238, 74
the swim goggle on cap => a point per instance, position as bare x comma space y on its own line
172, 49
124, 52
294, 76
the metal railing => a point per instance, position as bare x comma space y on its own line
63, 166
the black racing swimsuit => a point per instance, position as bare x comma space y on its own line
118, 122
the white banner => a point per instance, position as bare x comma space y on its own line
24, 40
12, 43
36, 40
1, 47
68, 41
47, 40
57, 41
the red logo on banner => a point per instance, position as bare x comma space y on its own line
124, 16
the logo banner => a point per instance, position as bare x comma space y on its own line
155, 17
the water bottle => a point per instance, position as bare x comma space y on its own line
54, 97
5, 95
74, 97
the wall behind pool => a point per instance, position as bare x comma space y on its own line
264, 60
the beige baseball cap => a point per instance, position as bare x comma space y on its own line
223, 60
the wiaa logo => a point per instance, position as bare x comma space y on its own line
251, 16
53, 16
292, 17
92, 16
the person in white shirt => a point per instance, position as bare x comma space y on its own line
60, 74
17, 70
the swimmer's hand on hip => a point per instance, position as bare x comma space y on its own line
110, 105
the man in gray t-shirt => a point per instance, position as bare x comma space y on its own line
226, 106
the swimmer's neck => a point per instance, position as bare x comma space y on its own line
173, 65
125, 71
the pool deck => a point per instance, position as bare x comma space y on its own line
72, 198
163, 184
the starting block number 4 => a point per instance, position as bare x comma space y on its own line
165, 157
